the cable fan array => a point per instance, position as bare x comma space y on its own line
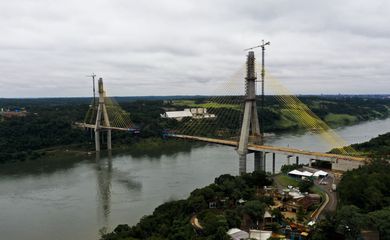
226, 108
229, 110
299, 112
118, 118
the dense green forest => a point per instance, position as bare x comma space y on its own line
49, 123
364, 195
378, 147
364, 204
172, 220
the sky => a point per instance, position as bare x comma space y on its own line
180, 47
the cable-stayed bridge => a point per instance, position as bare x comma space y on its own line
237, 123
105, 115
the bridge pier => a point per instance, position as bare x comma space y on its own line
97, 140
273, 163
264, 160
242, 163
259, 161
109, 146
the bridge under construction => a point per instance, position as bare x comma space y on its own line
105, 116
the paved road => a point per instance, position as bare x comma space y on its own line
332, 204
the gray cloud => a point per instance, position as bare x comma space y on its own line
170, 47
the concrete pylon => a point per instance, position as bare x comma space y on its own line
250, 124
102, 112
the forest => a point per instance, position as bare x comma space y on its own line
364, 204
364, 195
171, 220
378, 147
49, 123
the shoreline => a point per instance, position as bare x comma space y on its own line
142, 145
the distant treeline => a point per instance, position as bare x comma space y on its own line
50, 121
378, 147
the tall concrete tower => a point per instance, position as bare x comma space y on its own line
250, 129
102, 112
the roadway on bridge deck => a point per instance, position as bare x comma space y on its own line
279, 150
85, 125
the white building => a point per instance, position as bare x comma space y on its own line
178, 115
259, 234
237, 234
197, 113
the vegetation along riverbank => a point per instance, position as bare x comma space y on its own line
243, 202
48, 124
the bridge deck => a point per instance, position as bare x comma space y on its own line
280, 150
85, 125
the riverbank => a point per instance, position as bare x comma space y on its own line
86, 194
148, 147
49, 123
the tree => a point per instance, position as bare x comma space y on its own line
221, 234
305, 185
277, 214
350, 220
197, 203
233, 219
255, 210
381, 221
326, 228
211, 222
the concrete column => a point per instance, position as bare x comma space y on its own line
242, 163
297, 160
259, 161
97, 140
273, 163
264, 161
109, 147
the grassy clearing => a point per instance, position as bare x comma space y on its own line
191, 103
340, 119
183, 102
285, 180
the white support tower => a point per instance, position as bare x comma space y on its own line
250, 128
102, 112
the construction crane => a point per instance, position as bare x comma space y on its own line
262, 46
93, 75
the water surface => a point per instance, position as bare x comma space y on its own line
73, 198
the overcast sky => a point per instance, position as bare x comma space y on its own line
177, 47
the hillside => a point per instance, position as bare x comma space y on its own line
378, 147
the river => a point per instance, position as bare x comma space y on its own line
70, 198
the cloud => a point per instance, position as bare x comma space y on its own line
171, 47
